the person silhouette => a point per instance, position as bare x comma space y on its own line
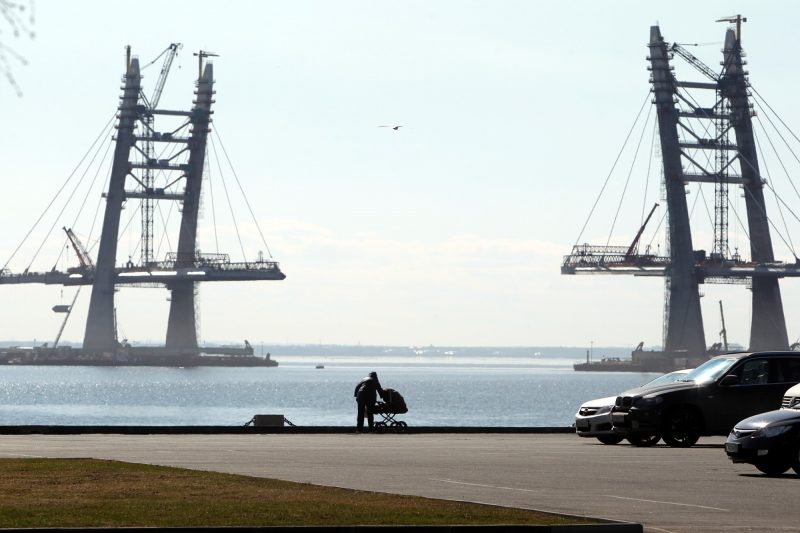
366, 395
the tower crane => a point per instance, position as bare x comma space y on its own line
201, 55
148, 179
735, 19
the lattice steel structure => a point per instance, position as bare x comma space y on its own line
686, 268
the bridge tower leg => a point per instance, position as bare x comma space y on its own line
182, 325
99, 335
768, 324
684, 321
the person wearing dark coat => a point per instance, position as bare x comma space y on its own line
366, 395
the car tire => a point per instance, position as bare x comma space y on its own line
610, 439
773, 466
681, 427
644, 441
796, 459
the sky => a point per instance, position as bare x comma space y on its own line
448, 231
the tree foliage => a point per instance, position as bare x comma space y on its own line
16, 22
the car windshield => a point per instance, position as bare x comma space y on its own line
666, 378
710, 370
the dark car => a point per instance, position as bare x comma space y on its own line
593, 418
770, 441
709, 400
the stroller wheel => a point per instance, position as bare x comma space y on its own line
402, 424
380, 424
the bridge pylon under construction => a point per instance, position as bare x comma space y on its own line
134, 165
725, 136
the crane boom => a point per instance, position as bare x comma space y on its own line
80, 251
171, 51
696, 63
148, 178
724, 331
635, 243
66, 317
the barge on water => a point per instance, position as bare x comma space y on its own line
127, 355
648, 361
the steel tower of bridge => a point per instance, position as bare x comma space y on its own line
100, 327
768, 326
181, 271
686, 268
684, 321
182, 328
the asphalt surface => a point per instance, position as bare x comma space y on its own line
666, 489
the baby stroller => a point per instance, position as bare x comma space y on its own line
392, 404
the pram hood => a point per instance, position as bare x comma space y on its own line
393, 402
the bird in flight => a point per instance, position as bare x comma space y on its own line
395, 128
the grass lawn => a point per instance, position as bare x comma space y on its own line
87, 492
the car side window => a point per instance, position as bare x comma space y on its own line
788, 370
755, 372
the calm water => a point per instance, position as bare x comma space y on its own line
451, 391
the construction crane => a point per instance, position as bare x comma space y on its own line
171, 51
202, 54
693, 61
635, 244
148, 178
587, 258
80, 251
68, 312
735, 19
87, 265
724, 332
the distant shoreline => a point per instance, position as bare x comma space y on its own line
277, 350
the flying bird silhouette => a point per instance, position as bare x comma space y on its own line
395, 128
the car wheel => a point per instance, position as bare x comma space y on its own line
610, 439
774, 466
796, 460
643, 441
681, 428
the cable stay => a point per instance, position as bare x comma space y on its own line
215, 135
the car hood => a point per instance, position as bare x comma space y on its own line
600, 402
667, 387
770, 417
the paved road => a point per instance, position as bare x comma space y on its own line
668, 490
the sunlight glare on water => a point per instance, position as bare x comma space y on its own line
440, 391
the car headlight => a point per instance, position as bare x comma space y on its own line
648, 401
603, 410
771, 431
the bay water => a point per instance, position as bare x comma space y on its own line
440, 391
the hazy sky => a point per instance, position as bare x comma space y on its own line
449, 231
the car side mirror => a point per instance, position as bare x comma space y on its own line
730, 379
